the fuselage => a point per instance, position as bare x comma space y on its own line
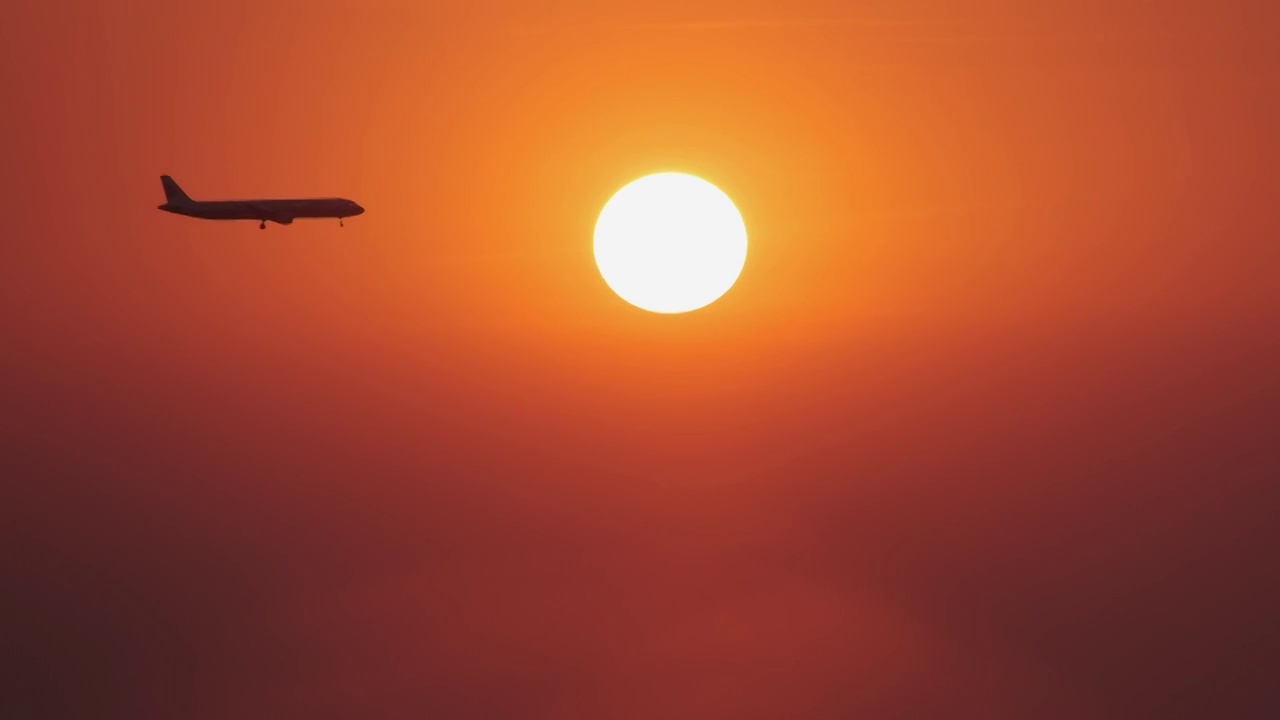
282, 211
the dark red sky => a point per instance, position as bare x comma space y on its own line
988, 427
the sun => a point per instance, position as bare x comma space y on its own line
670, 243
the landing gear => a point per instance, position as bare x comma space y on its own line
340, 223
262, 225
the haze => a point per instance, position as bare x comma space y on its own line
986, 428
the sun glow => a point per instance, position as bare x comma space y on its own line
670, 243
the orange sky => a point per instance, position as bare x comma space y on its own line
985, 429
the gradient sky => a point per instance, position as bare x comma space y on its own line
987, 429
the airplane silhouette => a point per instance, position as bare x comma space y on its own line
283, 212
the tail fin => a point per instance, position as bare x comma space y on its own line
173, 193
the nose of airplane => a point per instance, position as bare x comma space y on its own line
359, 208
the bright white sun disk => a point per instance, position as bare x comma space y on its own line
670, 243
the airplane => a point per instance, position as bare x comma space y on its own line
277, 211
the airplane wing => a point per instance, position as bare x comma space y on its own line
275, 216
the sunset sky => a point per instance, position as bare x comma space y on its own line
987, 428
